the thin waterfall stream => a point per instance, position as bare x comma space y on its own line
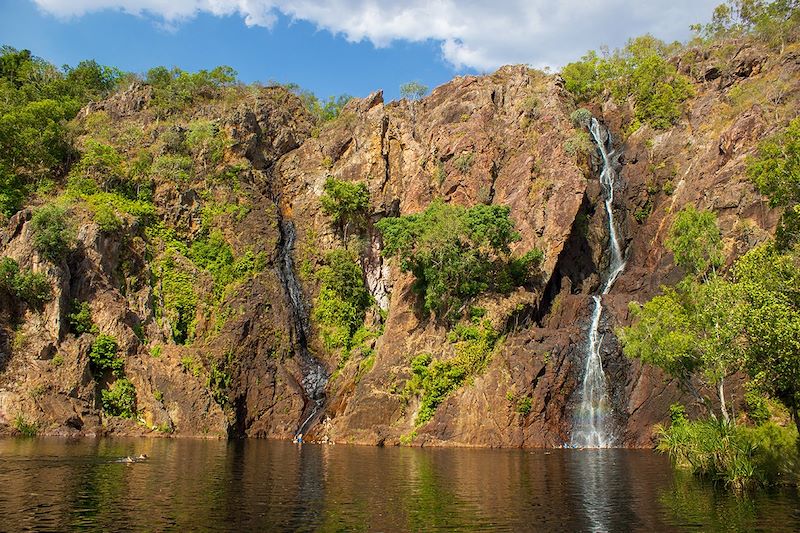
591, 426
314, 375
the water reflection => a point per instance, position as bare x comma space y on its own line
53, 485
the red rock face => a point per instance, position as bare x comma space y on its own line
499, 139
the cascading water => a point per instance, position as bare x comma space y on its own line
314, 375
591, 428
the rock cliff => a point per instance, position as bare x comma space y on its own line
505, 138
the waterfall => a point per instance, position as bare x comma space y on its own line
591, 422
314, 375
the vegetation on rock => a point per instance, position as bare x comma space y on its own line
32, 288
458, 253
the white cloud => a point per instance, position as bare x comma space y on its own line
473, 33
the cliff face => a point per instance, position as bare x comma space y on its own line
506, 139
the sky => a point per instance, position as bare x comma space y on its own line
337, 47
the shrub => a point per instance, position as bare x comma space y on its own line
524, 405
433, 381
120, 399
455, 253
343, 299
579, 144
640, 70
103, 354
80, 318
100, 166
581, 117
25, 428
206, 141
739, 456
175, 167
32, 288
346, 203
53, 233
464, 162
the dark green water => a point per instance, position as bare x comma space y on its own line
255, 485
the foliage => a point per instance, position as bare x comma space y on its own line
25, 428
343, 299
581, 117
695, 240
213, 254
579, 144
455, 253
80, 318
100, 166
174, 167
53, 233
433, 381
104, 354
413, 90
346, 203
320, 110
694, 330
739, 456
524, 405
175, 288
206, 141
775, 22
32, 288
776, 174
769, 284
36, 100
175, 89
120, 399
219, 379
640, 70
464, 162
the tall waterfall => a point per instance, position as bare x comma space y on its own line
314, 376
591, 428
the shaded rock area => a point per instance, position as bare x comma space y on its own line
497, 139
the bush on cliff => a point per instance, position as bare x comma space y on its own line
640, 70
457, 253
32, 288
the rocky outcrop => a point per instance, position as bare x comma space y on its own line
496, 139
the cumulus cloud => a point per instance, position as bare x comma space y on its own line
472, 33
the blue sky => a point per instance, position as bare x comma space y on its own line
338, 46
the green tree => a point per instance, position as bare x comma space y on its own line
32, 288
696, 242
343, 298
104, 354
692, 332
120, 399
346, 203
769, 282
413, 90
53, 233
776, 173
455, 253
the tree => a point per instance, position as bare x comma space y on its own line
53, 233
343, 298
694, 331
413, 90
695, 241
346, 203
769, 282
455, 253
776, 173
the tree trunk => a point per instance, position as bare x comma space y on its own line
722, 407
